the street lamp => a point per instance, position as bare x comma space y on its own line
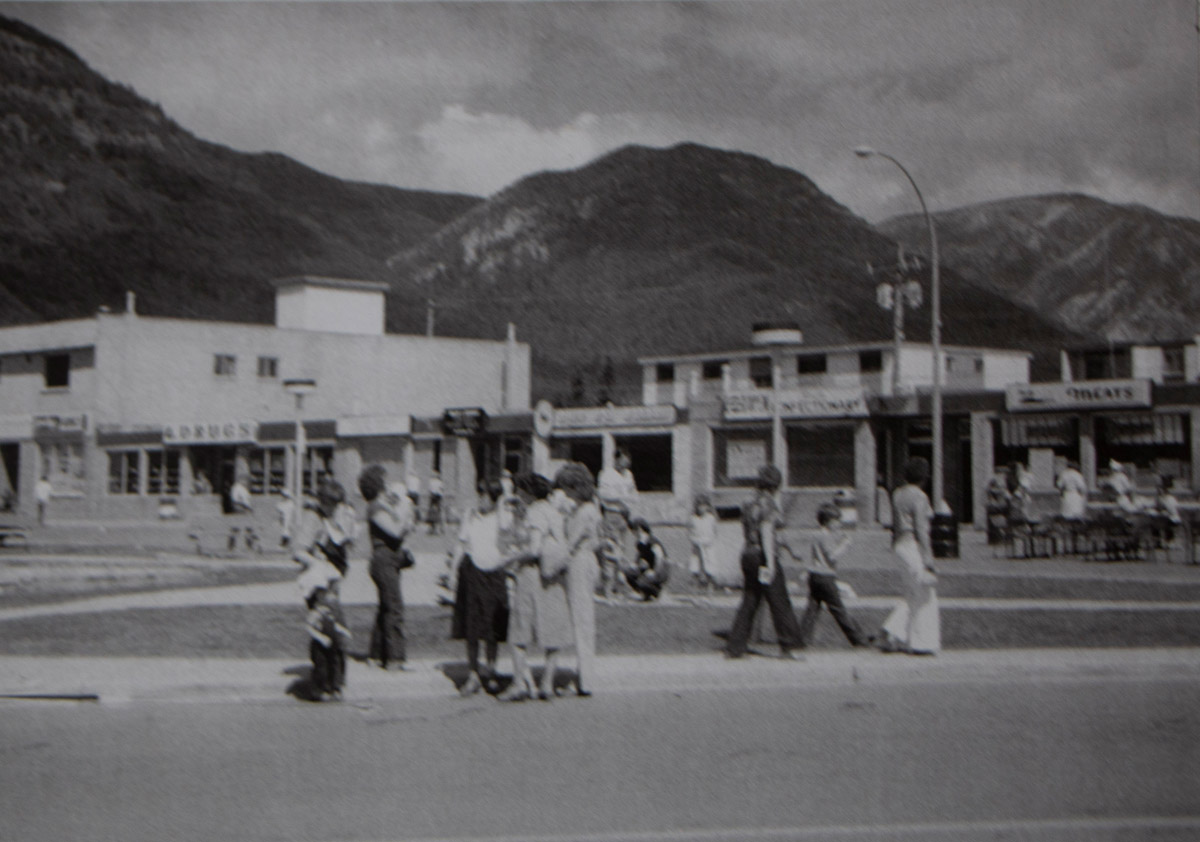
935, 328
298, 388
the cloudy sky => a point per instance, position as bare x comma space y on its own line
980, 99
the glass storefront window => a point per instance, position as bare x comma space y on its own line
162, 472
123, 473
738, 455
820, 455
650, 459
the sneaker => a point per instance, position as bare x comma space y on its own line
472, 686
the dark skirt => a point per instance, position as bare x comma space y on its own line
480, 604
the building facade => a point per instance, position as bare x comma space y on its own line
126, 414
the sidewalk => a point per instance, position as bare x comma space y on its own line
124, 680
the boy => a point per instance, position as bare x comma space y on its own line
329, 637
651, 573
823, 585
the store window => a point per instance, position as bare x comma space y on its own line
1156, 445
588, 450
224, 365
318, 466
267, 467
63, 464
739, 454
123, 471
650, 459
820, 455
58, 371
760, 372
162, 471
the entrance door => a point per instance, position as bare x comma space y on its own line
10, 477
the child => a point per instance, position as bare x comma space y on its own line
823, 584
703, 534
651, 573
329, 638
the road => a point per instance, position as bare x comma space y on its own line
1091, 757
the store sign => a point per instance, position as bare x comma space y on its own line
1085, 394
796, 403
59, 424
602, 417
387, 425
212, 432
464, 422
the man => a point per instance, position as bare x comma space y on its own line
618, 495
42, 492
434, 513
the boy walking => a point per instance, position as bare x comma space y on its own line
823, 584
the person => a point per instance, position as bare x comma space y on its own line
913, 626
1166, 507
538, 611
389, 520
1072, 490
328, 638
574, 496
762, 574
702, 532
433, 514
619, 499
43, 490
481, 595
651, 570
412, 487
286, 510
998, 503
239, 497
824, 588
1121, 487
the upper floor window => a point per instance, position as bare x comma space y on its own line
870, 361
225, 365
1105, 365
711, 369
268, 367
58, 371
760, 372
1173, 367
811, 364
665, 372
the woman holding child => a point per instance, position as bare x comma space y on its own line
389, 519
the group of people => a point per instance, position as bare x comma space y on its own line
530, 557
912, 627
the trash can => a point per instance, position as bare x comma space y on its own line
943, 535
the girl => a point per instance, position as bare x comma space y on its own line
703, 534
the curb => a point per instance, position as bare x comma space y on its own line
127, 680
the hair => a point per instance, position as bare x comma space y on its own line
535, 485
489, 487
576, 481
916, 470
640, 523
828, 513
769, 478
330, 493
372, 482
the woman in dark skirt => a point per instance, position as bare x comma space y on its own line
481, 598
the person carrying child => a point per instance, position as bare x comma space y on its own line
823, 585
650, 572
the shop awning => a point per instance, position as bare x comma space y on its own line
1145, 428
1038, 431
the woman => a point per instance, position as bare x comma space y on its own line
762, 575
913, 626
574, 496
538, 612
389, 519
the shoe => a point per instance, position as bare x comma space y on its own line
472, 686
546, 691
514, 693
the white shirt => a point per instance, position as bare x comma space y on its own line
480, 537
613, 484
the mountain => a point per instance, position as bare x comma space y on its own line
104, 193
649, 251
642, 251
1105, 271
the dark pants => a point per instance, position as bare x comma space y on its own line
823, 588
646, 583
387, 638
329, 666
782, 616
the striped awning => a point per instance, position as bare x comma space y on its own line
1038, 431
1145, 428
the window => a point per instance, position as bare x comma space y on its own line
760, 372
123, 471
979, 365
665, 373
268, 469
63, 464
318, 464
811, 364
162, 471
224, 365
738, 454
712, 369
58, 371
1173, 367
650, 459
820, 455
1106, 365
268, 367
870, 361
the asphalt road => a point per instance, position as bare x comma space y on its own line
1093, 758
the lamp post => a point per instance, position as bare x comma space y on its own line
935, 328
298, 388
894, 293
